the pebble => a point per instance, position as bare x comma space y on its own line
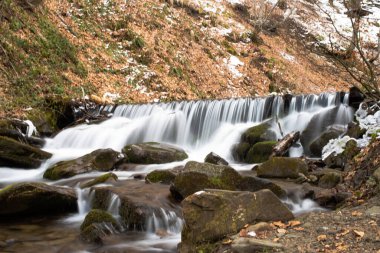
373, 211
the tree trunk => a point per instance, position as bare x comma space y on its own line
283, 145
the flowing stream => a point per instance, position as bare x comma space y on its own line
199, 127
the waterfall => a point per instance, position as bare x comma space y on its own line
164, 220
201, 126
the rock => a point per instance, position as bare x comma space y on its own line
355, 97
252, 184
282, 167
376, 175
373, 211
253, 135
161, 176
330, 180
354, 130
29, 199
215, 159
226, 212
96, 216
15, 154
340, 160
138, 203
317, 144
153, 153
259, 227
98, 160
319, 123
259, 133
248, 245
260, 152
199, 176
99, 180
330, 198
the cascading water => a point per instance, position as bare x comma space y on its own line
199, 127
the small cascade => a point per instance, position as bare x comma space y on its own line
164, 221
114, 205
84, 200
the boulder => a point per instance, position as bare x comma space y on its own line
153, 153
253, 135
198, 176
97, 225
139, 202
354, 130
161, 176
29, 199
260, 152
318, 124
329, 198
317, 144
330, 180
334, 160
355, 97
98, 160
252, 184
215, 159
15, 154
108, 177
282, 167
226, 212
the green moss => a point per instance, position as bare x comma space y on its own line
102, 179
257, 134
161, 176
260, 152
98, 216
230, 49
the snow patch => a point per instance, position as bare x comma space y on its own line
288, 57
232, 64
335, 146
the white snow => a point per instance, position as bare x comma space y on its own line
232, 64
335, 146
251, 233
199, 193
288, 57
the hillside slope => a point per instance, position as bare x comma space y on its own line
150, 51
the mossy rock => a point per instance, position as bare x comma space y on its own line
96, 225
19, 155
282, 167
45, 121
161, 176
354, 130
199, 176
260, 152
98, 216
340, 160
252, 184
259, 133
99, 180
98, 160
240, 150
330, 180
29, 199
153, 153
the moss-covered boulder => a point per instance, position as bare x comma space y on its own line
97, 225
215, 159
226, 212
330, 180
261, 133
161, 176
260, 152
354, 130
153, 153
198, 176
15, 154
108, 177
28, 199
282, 167
98, 160
317, 144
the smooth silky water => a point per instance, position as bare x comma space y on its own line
199, 127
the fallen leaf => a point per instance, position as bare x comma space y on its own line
279, 224
252, 234
321, 238
243, 233
227, 241
359, 233
356, 213
372, 223
299, 229
294, 223
276, 239
281, 231
344, 232
246, 225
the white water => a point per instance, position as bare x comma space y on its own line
199, 127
